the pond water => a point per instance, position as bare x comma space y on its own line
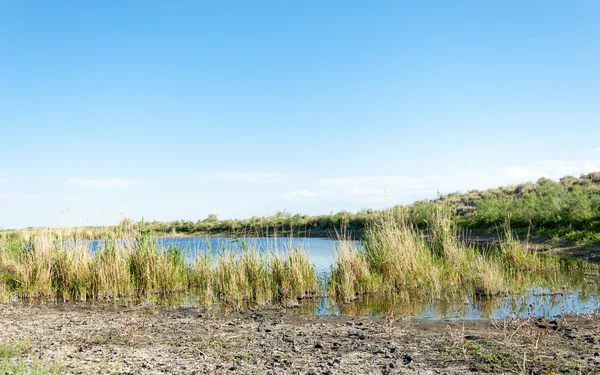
321, 249
580, 291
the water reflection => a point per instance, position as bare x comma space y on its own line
573, 288
534, 303
473, 307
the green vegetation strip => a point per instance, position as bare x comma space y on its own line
397, 258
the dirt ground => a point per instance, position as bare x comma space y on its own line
88, 339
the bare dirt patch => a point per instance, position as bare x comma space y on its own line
154, 340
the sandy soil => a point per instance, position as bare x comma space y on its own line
154, 340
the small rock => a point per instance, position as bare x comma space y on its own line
591, 340
355, 333
391, 346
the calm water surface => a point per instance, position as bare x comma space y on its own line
321, 249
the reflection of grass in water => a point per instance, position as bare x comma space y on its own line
550, 290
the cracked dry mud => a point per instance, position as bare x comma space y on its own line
154, 340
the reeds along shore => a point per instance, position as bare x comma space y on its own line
396, 258
46, 269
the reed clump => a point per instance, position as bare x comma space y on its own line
518, 256
292, 275
111, 275
351, 275
397, 257
44, 268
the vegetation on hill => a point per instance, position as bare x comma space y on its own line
569, 208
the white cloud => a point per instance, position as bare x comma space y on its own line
305, 193
301, 194
594, 150
553, 169
370, 184
394, 189
12, 197
20, 197
248, 177
108, 183
365, 188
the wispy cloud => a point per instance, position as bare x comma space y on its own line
105, 184
368, 184
365, 188
594, 150
403, 188
20, 197
253, 177
549, 168
300, 194
12, 197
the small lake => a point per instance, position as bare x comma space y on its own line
321, 249
580, 293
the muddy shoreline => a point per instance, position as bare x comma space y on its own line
150, 339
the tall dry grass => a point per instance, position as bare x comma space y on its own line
397, 257
42, 267
351, 275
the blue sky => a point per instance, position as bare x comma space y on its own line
174, 110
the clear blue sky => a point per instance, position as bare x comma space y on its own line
177, 109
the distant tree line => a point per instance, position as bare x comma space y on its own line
566, 209
571, 204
